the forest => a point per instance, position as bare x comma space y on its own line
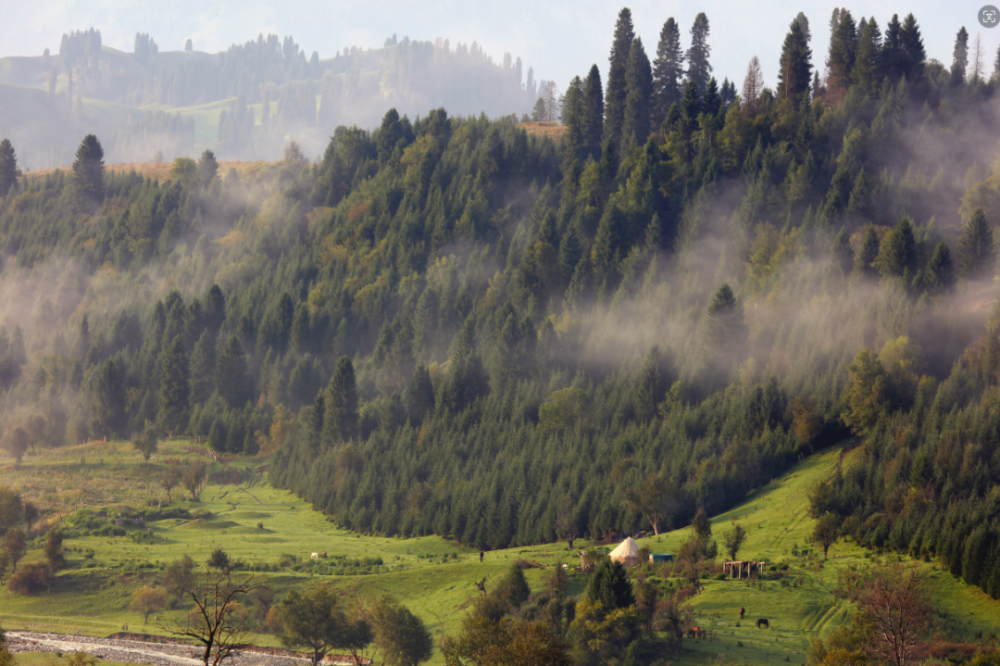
448, 326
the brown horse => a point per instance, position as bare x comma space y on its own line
697, 632
762, 622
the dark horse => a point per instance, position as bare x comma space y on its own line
762, 622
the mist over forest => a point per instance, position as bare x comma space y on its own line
451, 324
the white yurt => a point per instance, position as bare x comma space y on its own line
627, 552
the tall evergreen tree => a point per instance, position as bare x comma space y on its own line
654, 381
572, 141
975, 247
913, 54
795, 65
231, 378
8, 167
341, 418
867, 72
88, 171
843, 50
635, 128
668, 72
699, 69
203, 368
960, 57
592, 113
897, 254
892, 50
867, 253
175, 388
617, 91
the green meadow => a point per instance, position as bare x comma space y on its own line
435, 577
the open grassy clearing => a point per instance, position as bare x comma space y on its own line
434, 577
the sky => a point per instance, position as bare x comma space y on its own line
558, 38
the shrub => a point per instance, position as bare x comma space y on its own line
32, 578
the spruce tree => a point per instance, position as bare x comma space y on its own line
795, 65
867, 72
840, 253
418, 398
668, 72
231, 378
960, 57
592, 114
654, 381
725, 318
975, 247
175, 388
614, 105
341, 418
572, 141
939, 274
913, 54
897, 254
866, 255
8, 167
843, 50
635, 127
88, 172
208, 168
203, 368
892, 50
699, 70
610, 586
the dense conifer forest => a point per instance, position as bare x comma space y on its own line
449, 326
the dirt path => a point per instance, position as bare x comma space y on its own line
134, 652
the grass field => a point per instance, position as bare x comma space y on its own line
433, 576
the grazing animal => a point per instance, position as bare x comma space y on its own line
697, 632
742, 610
762, 622
315, 556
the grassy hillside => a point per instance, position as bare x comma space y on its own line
434, 577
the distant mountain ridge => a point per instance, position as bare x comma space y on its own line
245, 103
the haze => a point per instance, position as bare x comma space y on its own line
557, 38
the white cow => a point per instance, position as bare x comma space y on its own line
315, 556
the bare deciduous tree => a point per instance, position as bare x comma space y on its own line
753, 85
218, 621
893, 608
551, 97
977, 59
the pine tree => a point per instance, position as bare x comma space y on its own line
699, 70
88, 172
635, 127
897, 254
614, 105
8, 168
840, 253
892, 50
795, 65
341, 418
975, 247
725, 318
610, 586
939, 274
572, 141
843, 50
418, 398
867, 72
203, 368
175, 388
691, 106
866, 255
654, 381
592, 114
960, 57
208, 168
712, 101
668, 71
913, 54
231, 378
